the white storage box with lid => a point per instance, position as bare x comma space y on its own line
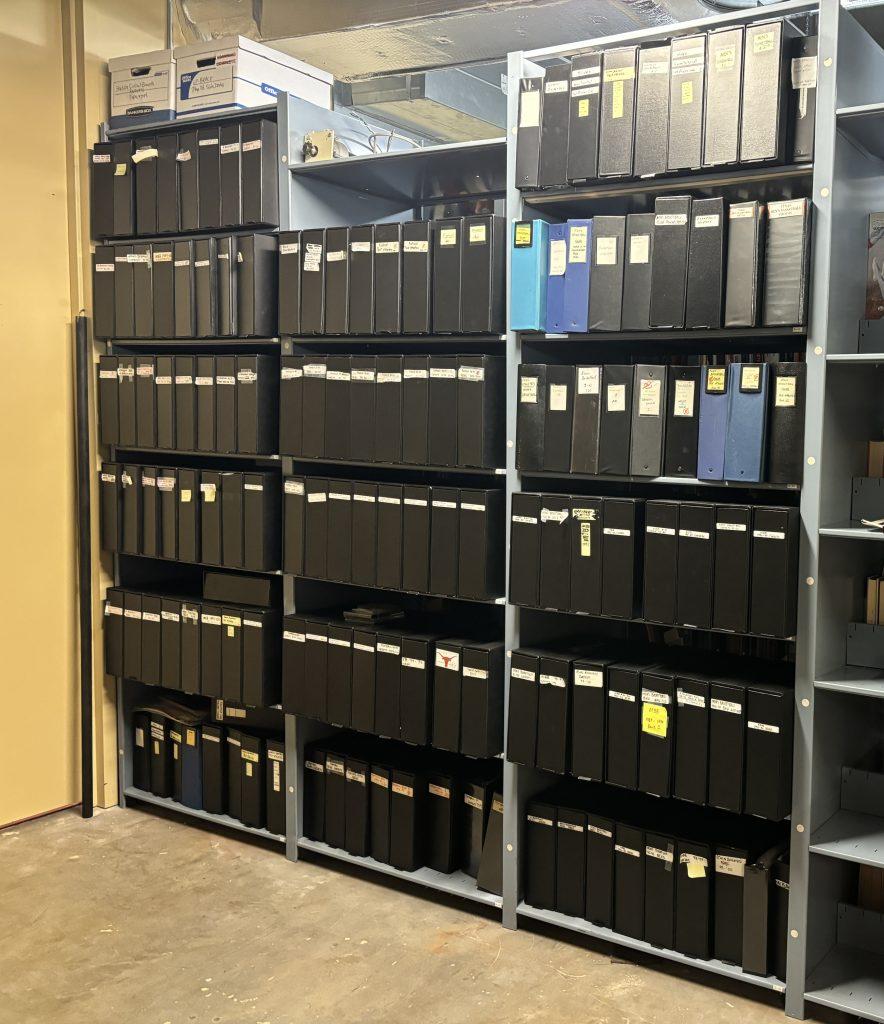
142, 88
236, 72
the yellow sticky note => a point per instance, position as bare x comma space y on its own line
583, 108
523, 234
617, 100
687, 92
696, 869
655, 720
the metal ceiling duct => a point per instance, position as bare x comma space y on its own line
430, 65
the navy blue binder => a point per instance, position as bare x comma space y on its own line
745, 444
713, 422
555, 282
577, 276
191, 767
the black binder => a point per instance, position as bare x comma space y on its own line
588, 718
185, 297
231, 175
188, 180
696, 558
313, 409
623, 719
123, 185
558, 419
692, 732
209, 175
600, 871
109, 491
205, 287
587, 419
521, 734
638, 254
555, 552
337, 273
337, 398
289, 282
361, 298
629, 881
652, 111
785, 425
554, 126
661, 561
313, 281
648, 420
586, 555
443, 392
583, 134
730, 603
606, 273
621, 556
682, 421
163, 290
101, 191
387, 278
142, 288
616, 420
727, 742
260, 185
745, 247
571, 862
483, 275
528, 137
672, 215
774, 571
185, 404
553, 713
417, 277
787, 263
415, 409
705, 264
362, 397
388, 409
103, 276
686, 100
616, 131
228, 310
531, 416
656, 732
525, 549
724, 74
447, 256
124, 292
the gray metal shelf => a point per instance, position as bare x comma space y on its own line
224, 820
189, 120
855, 357
455, 884
402, 466
578, 924
864, 124
851, 980
852, 530
417, 177
855, 680
162, 452
849, 835
673, 481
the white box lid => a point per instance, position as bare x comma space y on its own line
140, 60
210, 46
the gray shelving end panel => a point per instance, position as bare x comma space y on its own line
517, 68
850, 977
294, 768
124, 745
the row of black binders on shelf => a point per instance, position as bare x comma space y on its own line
195, 179
694, 564
445, 410
719, 98
221, 404
414, 684
700, 729
691, 264
446, 541
736, 422
221, 287
190, 515
199, 646
407, 808
178, 754
422, 277
701, 884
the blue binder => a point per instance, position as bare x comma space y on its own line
528, 269
577, 276
713, 422
555, 281
745, 446
191, 766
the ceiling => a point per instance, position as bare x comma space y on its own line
357, 38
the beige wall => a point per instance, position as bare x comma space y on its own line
39, 724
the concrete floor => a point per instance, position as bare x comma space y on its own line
137, 917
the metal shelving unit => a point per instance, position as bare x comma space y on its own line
625, 197
833, 959
141, 796
393, 186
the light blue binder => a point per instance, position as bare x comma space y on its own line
528, 270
